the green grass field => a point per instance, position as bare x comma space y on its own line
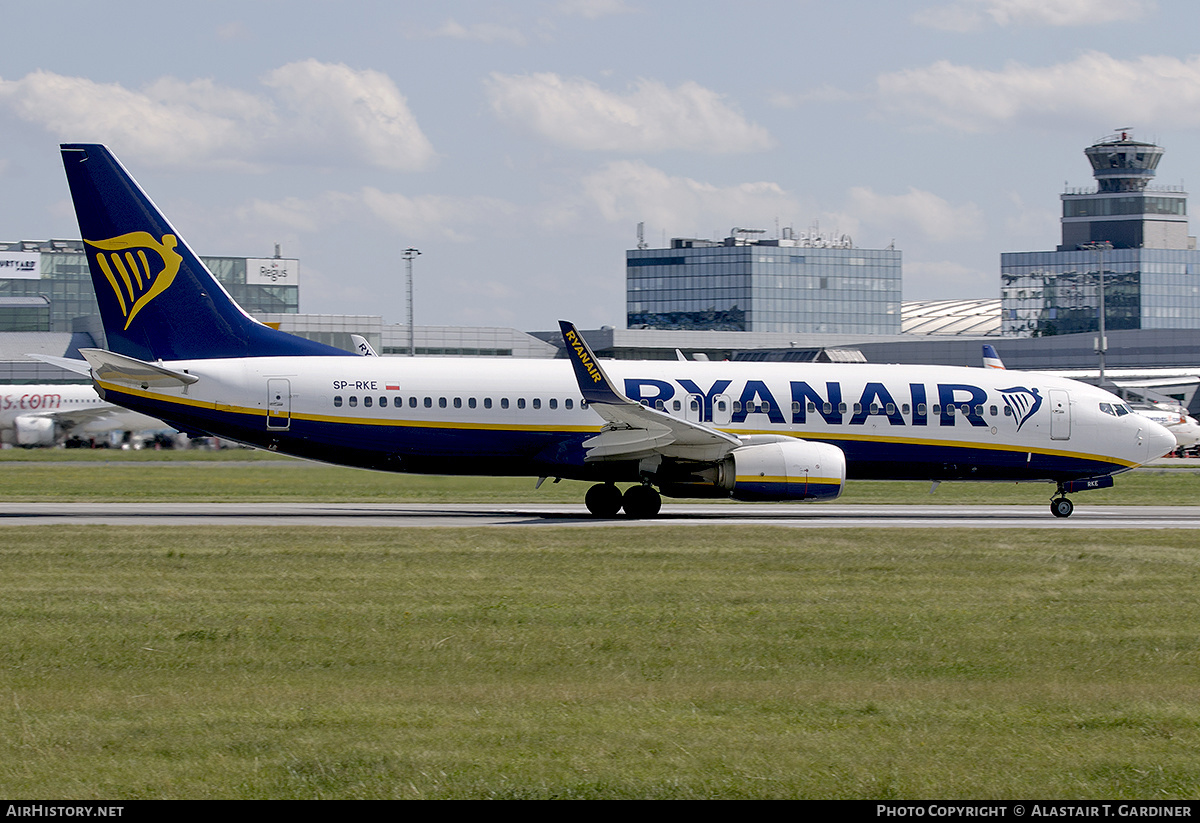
722, 662
693, 663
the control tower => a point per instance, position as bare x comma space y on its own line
1124, 209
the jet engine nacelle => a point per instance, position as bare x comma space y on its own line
35, 431
773, 468
790, 470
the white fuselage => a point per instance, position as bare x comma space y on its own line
498, 416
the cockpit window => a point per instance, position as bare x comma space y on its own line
1115, 409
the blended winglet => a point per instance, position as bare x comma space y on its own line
594, 384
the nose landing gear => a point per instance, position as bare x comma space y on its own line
1061, 507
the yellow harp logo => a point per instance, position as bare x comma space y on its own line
138, 267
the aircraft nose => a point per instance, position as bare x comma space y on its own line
1157, 439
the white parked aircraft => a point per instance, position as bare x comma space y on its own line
184, 351
1173, 416
46, 414
1162, 410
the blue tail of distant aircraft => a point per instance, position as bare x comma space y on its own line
157, 300
991, 360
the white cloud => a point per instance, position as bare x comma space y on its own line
479, 32
1164, 91
295, 214
445, 216
451, 218
650, 118
313, 108
359, 112
633, 191
233, 31
163, 124
594, 9
933, 217
973, 15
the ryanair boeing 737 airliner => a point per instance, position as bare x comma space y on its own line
181, 350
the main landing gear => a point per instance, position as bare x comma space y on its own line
605, 500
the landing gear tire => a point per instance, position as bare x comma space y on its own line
603, 500
641, 502
1061, 507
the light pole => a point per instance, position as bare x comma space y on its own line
1102, 340
409, 255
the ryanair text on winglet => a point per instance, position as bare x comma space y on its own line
582, 354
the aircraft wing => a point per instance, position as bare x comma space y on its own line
85, 418
633, 431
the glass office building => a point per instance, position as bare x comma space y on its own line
1136, 235
57, 271
793, 284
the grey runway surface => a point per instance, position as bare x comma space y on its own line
808, 516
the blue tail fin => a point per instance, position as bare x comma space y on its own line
991, 360
157, 300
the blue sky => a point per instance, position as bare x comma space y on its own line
519, 144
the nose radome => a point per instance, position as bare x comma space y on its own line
1157, 439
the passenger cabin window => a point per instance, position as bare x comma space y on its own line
337, 401
353, 401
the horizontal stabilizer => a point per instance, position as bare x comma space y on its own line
110, 367
67, 363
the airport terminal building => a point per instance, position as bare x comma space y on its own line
45, 285
799, 282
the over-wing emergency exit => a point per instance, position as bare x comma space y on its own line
182, 350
